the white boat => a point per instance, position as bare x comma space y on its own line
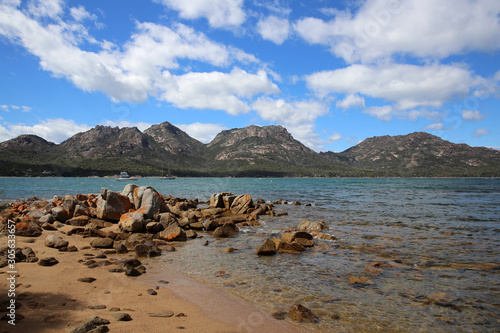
168, 177
125, 176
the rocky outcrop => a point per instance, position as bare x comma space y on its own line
111, 205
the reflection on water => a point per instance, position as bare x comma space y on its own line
430, 248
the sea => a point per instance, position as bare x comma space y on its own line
427, 249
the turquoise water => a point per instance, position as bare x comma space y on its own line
439, 235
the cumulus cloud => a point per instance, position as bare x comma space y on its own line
216, 90
55, 130
421, 28
480, 132
384, 113
204, 132
335, 137
475, 115
219, 13
409, 86
351, 101
142, 66
298, 117
274, 29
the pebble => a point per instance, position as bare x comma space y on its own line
164, 314
122, 316
49, 261
152, 292
87, 279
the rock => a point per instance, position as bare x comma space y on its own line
440, 297
301, 314
268, 248
132, 272
81, 210
360, 281
374, 270
306, 225
149, 201
241, 204
55, 241
122, 316
154, 227
292, 236
128, 263
48, 226
304, 242
132, 222
111, 205
128, 191
191, 234
216, 200
47, 218
147, 250
167, 219
229, 249
226, 230
152, 292
211, 212
87, 279
120, 248
278, 315
60, 214
290, 247
102, 243
69, 205
164, 314
79, 221
91, 324
173, 233
49, 261
28, 229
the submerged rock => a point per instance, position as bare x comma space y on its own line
306, 225
301, 314
268, 248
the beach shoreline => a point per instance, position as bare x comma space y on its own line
53, 300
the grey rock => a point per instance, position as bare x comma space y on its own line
90, 324
49, 261
55, 241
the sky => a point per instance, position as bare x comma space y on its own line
332, 72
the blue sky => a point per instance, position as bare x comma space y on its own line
332, 72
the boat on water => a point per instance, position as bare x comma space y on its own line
168, 177
125, 176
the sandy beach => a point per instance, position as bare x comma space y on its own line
53, 300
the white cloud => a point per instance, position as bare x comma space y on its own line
204, 132
496, 77
8, 108
219, 13
351, 101
140, 68
335, 137
49, 8
55, 130
274, 29
80, 14
216, 90
409, 86
142, 126
298, 117
384, 113
434, 127
480, 132
421, 28
475, 115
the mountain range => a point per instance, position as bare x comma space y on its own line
253, 151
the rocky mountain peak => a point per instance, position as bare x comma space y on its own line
27, 140
173, 140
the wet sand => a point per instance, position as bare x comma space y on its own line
53, 300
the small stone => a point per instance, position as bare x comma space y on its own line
152, 292
91, 324
49, 261
97, 307
230, 249
163, 281
267, 248
360, 281
114, 310
122, 317
164, 314
87, 279
116, 270
132, 272
180, 314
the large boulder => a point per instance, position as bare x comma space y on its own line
241, 204
149, 202
128, 191
111, 205
60, 214
132, 222
69, 204
173, 232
